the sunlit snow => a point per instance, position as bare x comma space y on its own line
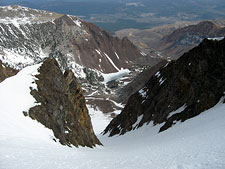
113, 76
14, 99
216, 38
24, 143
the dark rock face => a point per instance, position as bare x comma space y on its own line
184, 39
61, 106
181, 90
6, 71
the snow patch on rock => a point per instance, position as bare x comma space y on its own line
216, 38
157, 74
117, 55
135, 125
110, 60
179, 110
143, 93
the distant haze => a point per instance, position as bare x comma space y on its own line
113, 15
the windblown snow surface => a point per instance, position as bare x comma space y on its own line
198, 143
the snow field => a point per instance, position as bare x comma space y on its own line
24, 143
14, 99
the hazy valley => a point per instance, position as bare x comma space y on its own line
116, 15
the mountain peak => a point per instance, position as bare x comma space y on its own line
22, 15
69, 20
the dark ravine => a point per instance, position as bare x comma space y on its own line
61, 106
192, 84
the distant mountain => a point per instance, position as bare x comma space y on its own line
179, 91
183, 39
173, 40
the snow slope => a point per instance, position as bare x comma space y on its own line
24, 143
14, 99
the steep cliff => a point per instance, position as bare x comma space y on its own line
181, 90
61, 106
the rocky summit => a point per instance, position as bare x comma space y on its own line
179, 91
61, 106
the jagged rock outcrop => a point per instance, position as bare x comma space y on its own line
6, 71
181, 90
61, 106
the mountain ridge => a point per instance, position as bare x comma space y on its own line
173, 40
64, 37
184, 39
180, 90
